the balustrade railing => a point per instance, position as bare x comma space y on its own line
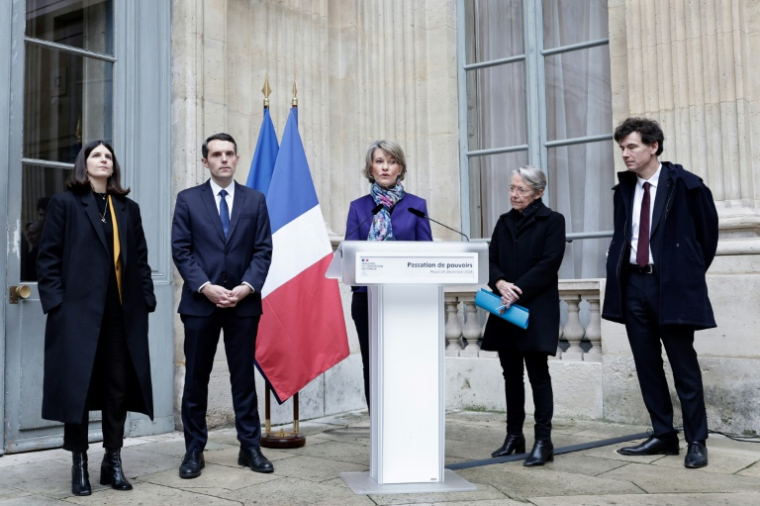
580, 338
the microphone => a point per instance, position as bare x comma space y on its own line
420, 214
375, 210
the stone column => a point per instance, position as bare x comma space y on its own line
393, 76
471, 331
573, 330
453, 329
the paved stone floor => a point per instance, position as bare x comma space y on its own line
310, 475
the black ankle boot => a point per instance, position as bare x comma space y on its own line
513, 443
543, 451
80, 478
111, 472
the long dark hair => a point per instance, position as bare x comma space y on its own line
80, 183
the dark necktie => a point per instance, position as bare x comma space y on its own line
642, 249
224, 212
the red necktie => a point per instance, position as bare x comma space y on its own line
642, 249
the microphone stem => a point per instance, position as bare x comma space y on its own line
448, 227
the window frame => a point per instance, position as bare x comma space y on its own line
538, 147
65, 48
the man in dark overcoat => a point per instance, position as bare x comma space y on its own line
666, 236
222, 247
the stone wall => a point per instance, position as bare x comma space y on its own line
365, 70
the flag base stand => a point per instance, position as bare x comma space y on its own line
281, 438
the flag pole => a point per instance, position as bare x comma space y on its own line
281, 439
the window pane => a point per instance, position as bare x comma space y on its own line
38, 185
578, 93
572, 21
85, 24
495, 29
580, 187
67, 99
489, 189
499, 116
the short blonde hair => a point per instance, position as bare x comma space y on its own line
535, 177
391, 149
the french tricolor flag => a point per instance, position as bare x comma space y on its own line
302, 332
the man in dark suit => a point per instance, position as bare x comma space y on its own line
222, 247
666, 236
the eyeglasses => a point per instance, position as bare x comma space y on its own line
520, 191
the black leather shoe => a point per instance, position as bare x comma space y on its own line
543, 451
191, 466
667, 445
696, 455
513, 443
80, 478
254, 459
111, 472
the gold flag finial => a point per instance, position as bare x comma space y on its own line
266, 90
294, 102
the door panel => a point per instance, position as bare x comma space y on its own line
59, 98
32, 348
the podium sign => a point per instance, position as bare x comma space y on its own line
407, 374
389, 268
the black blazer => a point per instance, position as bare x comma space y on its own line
73, 267
202, 254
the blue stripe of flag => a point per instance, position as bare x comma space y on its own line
264, 157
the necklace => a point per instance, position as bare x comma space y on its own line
102, 195
105, 210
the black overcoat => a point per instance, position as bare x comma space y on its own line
683, 240
73, 267
530, 258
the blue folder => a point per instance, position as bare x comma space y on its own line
516, 315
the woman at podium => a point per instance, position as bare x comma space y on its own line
525, 254
382, 216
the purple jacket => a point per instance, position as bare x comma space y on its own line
406, 226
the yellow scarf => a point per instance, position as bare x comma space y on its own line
116, 246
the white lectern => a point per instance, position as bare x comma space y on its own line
407, 375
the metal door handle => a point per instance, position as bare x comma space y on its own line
19, 291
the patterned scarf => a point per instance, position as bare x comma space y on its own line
381, 229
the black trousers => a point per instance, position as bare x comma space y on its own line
360, 315
110, 377
537, 365
201, 338
647, 336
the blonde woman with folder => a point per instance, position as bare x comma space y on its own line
96, 290
525, 254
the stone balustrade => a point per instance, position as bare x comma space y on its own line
578, 341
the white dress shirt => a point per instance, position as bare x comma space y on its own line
230, 198
638, 195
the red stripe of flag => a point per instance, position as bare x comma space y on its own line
305, 347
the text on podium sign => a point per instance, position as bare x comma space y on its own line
416, 268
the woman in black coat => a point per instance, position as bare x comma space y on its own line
96, 289
525, 254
